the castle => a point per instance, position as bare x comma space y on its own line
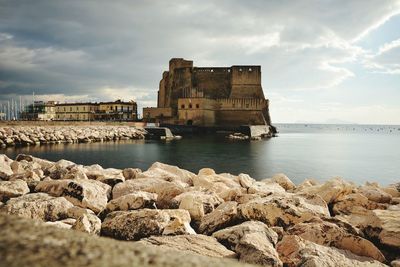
210, 96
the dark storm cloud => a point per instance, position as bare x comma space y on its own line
106, 49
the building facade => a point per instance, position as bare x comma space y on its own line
103, 111
210, 96
39, 110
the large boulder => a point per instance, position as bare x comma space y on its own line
131, 173
224, 215
331, 190
109, 176
253, 241
198, 203
168, 173
266, 188
139, 184
331, 235
283, 181
350, 203
134, 225
38, 206
384, 225
284, 210
81, 192
132, 201
295, 251
374, 193
10, 189
88, 223
199, 244
5, 166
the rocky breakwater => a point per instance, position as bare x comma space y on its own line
35, 135
271, 222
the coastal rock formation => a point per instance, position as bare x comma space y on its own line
134, 225
270, 222
224, 215
295, 251
253, 241
329, 234
81, 192
38, 206
36, 135
284, 210
10, 189
198, 244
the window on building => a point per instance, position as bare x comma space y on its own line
84, 108
64, 108
70, 108
250, 69
77, 108
190, 105
182, 106
197, 106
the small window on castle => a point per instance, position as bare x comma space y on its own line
240, 69
190, 105
197, 106
212, 70
182, 106
229, 70
250, 69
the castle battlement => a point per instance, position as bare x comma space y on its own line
210, 95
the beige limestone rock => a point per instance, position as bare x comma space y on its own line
384, 225
306, 183
59, 224
198, 203
284, 210
28, 243
375, 194
224, 215
131, 173
331, 235
266, 188
134, 225
198, 244
168, 173
138, 184
88, 223
5, 166
108, 176
132, 201
10, 189
350, 203
76, 212
295, 251
245, 180
253, 241
84, 193
331, 190
283, 181
38, 206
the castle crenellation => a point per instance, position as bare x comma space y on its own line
210, 96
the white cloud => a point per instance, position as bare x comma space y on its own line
386, 60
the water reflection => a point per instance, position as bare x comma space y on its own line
300, 154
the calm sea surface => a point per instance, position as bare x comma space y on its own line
355, 152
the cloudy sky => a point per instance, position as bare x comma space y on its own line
322, 61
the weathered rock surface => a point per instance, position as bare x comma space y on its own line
284, 210
10, 189
168, 173
224, 215
375, 194
384, 225
5, 166
88, 223
38, 206
81, 192
329, 234
199, 244
132, 201
253, 242
198, 203
283, 181
351, 203
331, 190
28, 243
295, 251
134, 225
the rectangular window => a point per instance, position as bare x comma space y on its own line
182, 106
197, 106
